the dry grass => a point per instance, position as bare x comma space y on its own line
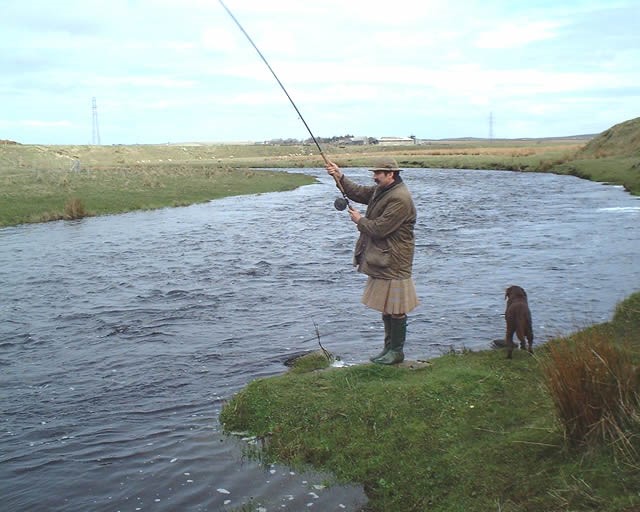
595, 387
504, 151
74, 209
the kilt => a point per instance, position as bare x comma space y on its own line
390, 296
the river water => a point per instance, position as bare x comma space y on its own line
121, 336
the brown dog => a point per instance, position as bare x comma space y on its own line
518, 318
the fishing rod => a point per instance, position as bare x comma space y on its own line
340, 203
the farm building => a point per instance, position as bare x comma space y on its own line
396, 141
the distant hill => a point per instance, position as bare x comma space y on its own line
621, 140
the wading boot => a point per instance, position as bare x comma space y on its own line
395, 355
387, 338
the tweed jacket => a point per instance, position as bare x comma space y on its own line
386, 244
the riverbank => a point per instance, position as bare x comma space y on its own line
41, 183
470, 431
40, 193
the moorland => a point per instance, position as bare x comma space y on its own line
42, 182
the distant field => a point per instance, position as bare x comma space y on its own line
502, 154
37, 183
258, 155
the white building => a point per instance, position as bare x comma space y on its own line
396, 141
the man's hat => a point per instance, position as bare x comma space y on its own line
385, 163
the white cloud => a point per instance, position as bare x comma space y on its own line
44, 124
516, 34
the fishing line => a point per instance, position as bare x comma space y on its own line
342, 202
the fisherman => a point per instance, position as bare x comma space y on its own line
384, 250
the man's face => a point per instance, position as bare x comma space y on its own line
383, 178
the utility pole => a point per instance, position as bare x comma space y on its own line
95, 137
490, 126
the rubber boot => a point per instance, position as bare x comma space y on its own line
387, 338
395, 353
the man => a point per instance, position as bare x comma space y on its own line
384, 250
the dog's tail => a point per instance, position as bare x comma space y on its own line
525, 330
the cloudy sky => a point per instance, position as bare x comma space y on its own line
181, 70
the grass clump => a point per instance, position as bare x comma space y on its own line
74, 209
472, 431
595, 386
317, 360
593, 378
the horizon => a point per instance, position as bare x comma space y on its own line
4, 141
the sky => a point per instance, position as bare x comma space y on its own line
182, 71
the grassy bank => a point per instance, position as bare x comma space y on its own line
40, 192
471, 432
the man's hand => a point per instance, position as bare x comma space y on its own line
333, 170
355, 214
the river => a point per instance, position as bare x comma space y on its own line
122, 336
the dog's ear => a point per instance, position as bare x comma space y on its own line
507, 292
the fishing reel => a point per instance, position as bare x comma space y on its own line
341, 203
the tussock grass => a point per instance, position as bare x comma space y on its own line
473, 431
595, 386
74, 209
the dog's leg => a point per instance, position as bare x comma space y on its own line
508, 340
529, 331
521, 337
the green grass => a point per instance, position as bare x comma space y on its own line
623, 171
36, 195
471, 432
